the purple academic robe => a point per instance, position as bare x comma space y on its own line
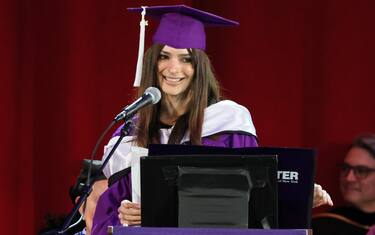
106, 210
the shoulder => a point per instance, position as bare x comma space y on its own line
228, 105
131, 129
122, 157
227, 116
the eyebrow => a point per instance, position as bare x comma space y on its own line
179, 55
357, 165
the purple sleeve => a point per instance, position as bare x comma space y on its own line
231, 140
106, 209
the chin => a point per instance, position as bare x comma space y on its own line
172, 92
352, 198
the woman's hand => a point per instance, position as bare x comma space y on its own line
321, 197
129, 213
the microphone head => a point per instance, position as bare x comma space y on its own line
154, 93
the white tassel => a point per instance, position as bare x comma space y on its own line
138, 73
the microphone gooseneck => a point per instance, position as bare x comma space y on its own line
151, 95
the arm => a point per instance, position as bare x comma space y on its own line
106, 213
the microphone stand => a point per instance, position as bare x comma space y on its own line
88, 187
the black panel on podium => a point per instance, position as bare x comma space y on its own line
173, 187
296, 173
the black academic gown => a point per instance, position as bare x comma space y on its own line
343, 221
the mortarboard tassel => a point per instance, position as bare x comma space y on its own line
141, 48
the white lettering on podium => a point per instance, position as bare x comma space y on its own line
287, 177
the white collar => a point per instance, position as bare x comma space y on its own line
224, 116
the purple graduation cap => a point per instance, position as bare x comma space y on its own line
180, 27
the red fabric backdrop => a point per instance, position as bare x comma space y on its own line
304, 68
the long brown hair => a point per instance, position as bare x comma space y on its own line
204, 90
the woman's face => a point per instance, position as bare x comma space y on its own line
175, 71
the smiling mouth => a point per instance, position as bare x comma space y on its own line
170, 79
351, 188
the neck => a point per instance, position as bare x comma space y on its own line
172, 108
367, 207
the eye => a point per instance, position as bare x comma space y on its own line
345, 167
162, 57
362, 170
186, 59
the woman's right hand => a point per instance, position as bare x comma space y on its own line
129, 213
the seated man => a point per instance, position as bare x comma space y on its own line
357, 184
87, 210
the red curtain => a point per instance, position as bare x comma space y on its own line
304, 68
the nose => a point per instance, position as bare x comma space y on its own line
350, 176
174, 66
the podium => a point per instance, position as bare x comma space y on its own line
213, 191
119, 230
295, 177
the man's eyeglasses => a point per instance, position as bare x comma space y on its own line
360, 172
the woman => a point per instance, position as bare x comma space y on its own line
190, 110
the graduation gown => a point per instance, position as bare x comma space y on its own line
343, 221
230, 124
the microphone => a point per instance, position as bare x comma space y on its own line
151, 96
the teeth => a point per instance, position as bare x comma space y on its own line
173, 79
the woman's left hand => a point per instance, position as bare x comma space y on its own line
321, 197
129, 213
